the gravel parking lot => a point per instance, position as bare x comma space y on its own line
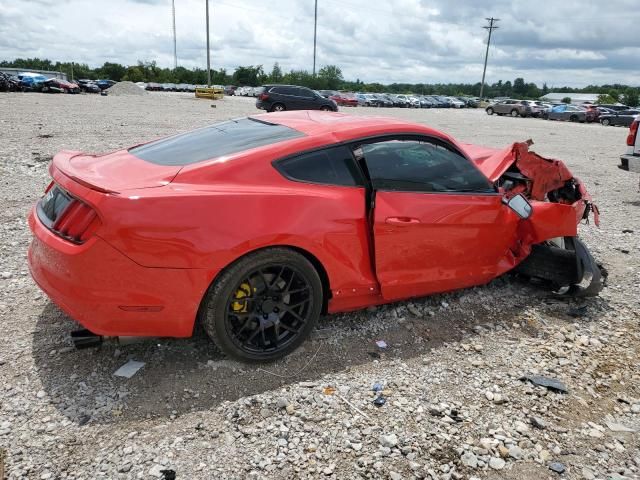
456, 406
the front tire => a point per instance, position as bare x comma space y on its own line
325, 108
606, 122
514, 113
489, 111
264, 305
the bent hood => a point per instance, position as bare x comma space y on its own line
113, 172
492, 162
545, 174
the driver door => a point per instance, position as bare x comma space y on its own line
438, 223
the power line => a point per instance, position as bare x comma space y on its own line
491, 27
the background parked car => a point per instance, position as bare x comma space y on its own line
105, 83
401, 101
616, 106
456, 102
623, 117
9, 83
438, 102
535, 107
571, 113
31, 81
345, 99
56, 85
88, 86
327, 93
276, 98
515, 108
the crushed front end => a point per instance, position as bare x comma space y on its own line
547, 245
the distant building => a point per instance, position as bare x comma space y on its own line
46, 73
576, 98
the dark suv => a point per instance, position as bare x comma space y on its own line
276, 98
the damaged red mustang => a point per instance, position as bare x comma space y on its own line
255, 227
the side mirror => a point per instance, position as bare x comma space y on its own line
520, 205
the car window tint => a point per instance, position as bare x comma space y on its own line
418, 166
283, 90
333, 166
214, 141
305, 93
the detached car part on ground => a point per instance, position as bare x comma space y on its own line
257, 226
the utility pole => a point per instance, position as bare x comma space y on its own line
175, 48
315, 29
491, 27
208, 54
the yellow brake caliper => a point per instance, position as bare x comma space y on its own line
242, 306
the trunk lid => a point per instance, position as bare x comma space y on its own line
113, 172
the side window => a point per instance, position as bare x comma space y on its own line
332, 166
304, 93
284, 90
420, 166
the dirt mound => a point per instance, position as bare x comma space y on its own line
126, 88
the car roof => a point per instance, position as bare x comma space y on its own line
314, 123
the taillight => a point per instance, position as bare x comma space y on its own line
264, 96
77, 223
633, 131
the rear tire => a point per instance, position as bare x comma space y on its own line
606, 122
573, 118
278, 107
264, 305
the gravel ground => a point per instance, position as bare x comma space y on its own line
456, 406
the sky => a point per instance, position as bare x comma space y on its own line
560, 42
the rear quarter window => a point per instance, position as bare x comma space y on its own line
206, 143
330, 166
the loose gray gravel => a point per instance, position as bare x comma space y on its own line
456, 406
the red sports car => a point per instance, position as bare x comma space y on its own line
257, 226
344, 100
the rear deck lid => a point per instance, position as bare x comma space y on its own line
114, 172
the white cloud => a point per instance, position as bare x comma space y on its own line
565, 43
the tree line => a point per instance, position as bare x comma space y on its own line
329, 77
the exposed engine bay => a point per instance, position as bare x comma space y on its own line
564, 262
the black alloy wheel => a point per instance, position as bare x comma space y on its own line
264, 305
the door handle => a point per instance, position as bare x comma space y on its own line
402, 220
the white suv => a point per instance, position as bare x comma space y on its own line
631, 160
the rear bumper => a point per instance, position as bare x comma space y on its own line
631, 163
108, 293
